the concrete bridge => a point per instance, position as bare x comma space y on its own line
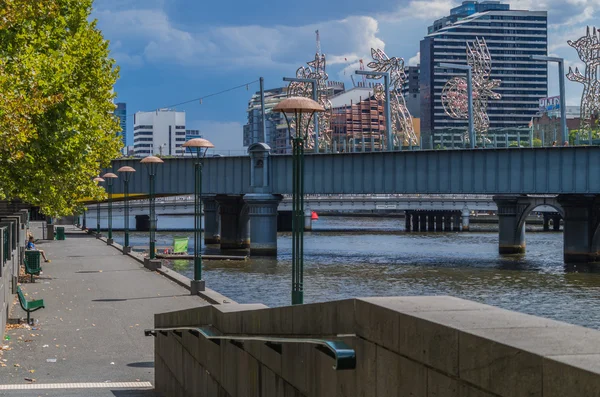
245, 191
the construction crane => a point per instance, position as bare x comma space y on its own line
318, 43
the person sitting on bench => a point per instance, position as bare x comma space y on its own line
31, 246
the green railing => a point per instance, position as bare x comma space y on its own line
344, 355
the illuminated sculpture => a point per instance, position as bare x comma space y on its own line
403, 132
455, 96
588, 49
316, 70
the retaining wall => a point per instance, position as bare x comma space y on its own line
405, 346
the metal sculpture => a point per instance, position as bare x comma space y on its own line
588, 49
403, 132
455, 96
315, 70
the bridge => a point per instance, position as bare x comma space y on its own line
243, 192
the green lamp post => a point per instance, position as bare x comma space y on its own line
126, 171
98, 180
301, 110
108, 177
151, 163
198, 147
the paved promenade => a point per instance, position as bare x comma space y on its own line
98, 303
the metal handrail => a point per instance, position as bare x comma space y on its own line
344, 355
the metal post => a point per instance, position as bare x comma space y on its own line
152, 218
470, 110
388, 111
98, 217
506, 140
84, 225
262, 111
110, 184
563, 110
298, 223
126, 211
198, 219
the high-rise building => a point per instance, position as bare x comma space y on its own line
358, 122
276, 127
161, 132
121, 113
410, 90
512, 36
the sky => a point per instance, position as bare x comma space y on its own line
172, 51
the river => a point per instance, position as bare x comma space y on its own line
359, 257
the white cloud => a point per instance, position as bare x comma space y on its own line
414, 61
422, 9
151, 36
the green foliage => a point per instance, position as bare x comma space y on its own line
56, 92
537, 142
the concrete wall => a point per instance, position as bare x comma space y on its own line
405, 346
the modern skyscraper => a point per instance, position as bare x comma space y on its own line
161, 132
121, 113
276, 127
512, 36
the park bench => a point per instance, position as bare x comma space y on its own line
32, 263
29, 306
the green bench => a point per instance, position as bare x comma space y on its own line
29, 306
32, 263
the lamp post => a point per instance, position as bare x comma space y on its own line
295, 107
561, 83
152, 163
108, 177
469, 97
126, 171
199, 147
98, 180
315, 97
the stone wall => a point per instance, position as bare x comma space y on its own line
405, 346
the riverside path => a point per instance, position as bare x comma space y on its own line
89, 340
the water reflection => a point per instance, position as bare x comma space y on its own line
386, 261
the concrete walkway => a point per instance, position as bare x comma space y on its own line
98, 303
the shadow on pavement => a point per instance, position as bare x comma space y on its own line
134, 299
135, 393
142, 364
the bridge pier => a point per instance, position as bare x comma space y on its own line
581, 221
547, 222
457, 223
422, 222
465, 219
212, 221
511, 229
430, 222
234, 228
438, 221
556, 222
262, 209
447, 222
407, 223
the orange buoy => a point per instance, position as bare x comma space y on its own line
314, 216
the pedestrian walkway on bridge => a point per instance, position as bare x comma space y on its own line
90, 333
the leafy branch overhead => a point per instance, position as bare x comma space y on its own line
56, 103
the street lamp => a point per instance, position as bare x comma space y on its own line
152, 163
469, 96
315, 95
295, 107
126, 171
200, 146
561, 83
98, 180
108, 177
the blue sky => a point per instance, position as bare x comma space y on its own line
170, 51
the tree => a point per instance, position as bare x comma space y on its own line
56, 103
